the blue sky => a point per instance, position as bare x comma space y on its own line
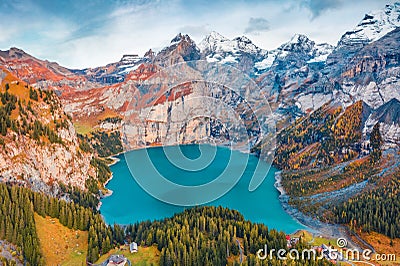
90, 33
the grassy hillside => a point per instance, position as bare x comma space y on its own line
59, 244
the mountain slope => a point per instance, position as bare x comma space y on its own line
328, 136
38, 140
373, 26
373, 73
388, 117
182, 48
41, 73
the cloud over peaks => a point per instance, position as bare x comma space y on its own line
256, 25
318, 7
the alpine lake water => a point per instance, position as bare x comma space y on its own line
129, 203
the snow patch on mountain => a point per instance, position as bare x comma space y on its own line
388, 117
218, 48
216, 43
128, 63
266, 62
128, 69
374, 26
321, 52
309, 102
390, 132
212, 41
130, 59
229, 59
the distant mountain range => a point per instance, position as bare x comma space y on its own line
298, 77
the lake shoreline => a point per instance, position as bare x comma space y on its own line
239, 197
314, 226
109, 192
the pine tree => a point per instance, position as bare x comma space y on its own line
3, 127
33, 94
376, 142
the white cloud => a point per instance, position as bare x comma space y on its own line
195, 31
256, 25
102, 36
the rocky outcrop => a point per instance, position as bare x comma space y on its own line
181, 49
26, 162
373, 74
388, 117
41, 148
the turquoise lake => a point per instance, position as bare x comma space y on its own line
130, 203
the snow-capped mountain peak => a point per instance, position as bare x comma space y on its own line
213, 42
182, 48
217, 48
216, 43
215, 36
298, 38
298, 43
246, 45
181, 38
299, 48
374, 26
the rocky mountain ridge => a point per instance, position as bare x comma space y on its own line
297, 78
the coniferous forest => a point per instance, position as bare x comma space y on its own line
198, 236
378, 210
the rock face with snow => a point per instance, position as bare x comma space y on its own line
388, 117
114, 72
297, 52
363, 66
239, 52
373, 74
374, 26
290, 72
